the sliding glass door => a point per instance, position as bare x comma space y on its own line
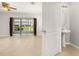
16, 26
27, 26
23, 26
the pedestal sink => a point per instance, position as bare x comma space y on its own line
64, 33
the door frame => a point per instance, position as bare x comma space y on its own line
11, 26
35, 26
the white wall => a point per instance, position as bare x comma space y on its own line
4, 24
74, 23
4, 21
23, 10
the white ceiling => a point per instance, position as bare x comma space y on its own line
28, 7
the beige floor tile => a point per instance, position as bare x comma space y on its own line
29, 46
20, 46
69, 51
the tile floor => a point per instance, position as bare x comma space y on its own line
20, 46
29, 46
69, 50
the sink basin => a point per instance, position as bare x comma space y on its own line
65, 31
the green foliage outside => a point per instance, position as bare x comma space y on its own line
24, 28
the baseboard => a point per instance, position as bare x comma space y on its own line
57, 53
4, 35
74, 45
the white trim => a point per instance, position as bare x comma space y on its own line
74, 45
4, 35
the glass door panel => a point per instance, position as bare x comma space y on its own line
16, 26
23, 26
27, 26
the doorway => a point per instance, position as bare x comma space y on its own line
23, 26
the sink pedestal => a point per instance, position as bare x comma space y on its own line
63, 40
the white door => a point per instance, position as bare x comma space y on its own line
51, 43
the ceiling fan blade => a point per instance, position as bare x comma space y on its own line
13, 8
8, 6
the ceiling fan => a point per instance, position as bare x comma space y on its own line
6, 6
